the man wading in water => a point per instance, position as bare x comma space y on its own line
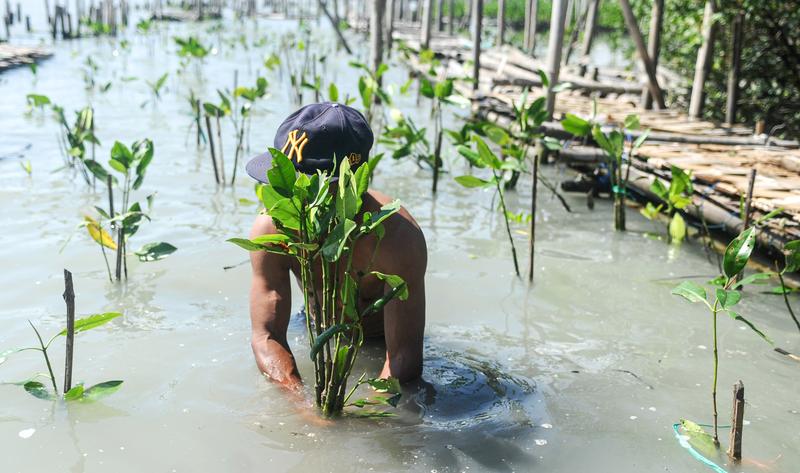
317, 137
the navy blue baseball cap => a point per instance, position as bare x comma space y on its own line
317, 137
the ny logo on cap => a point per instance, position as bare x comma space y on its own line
295, 144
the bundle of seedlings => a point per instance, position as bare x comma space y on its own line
319, 221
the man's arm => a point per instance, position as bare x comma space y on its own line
404, 321
270, 306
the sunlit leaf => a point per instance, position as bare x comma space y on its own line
155, 251
101, 390
99, 234
92, 321
690, 291
738, 252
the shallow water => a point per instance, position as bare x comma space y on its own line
586, 370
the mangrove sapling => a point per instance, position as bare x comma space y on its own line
485, 158
319, 223
440, 94
242, 120
675, 198
618, 159
371, 90
197, 117
132, 163
37, 101
73, 393
155, 88
724, 299
217, 112
791, 264
74, 141
406, 139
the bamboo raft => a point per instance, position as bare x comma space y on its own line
16, 56
719, 157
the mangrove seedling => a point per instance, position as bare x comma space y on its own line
485, 158
440, 94
724, 299
791, 253
674, 198
618, 159
319, 222
131, 163
406, 139
37, 101
155, 88
371, 90
73, 393
74, 141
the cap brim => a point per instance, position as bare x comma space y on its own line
258, 166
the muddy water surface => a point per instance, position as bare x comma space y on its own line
586, 371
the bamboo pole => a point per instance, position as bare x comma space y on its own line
69, 299
451, 16
477, 20
751, 184
335, 24
389, 27
703, 60
529, 33
737, 422
735, 66
636, 35
211, 148
376, 22
501, 25
440, 15
590, 27
554, 48
653, 45
425, 28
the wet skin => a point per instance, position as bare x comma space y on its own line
402, 252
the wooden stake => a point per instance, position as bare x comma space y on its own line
451, 16
529, 33
335, 24
69, 298
425, 28
389, 27
376, 21
501, 25
532, 238
636, 35
590, 27
653, 45
703, 61
440, 16
748, 201
737, 422
554, 48
735, 66
477, 20
211, 148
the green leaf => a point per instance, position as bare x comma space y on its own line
658, 188
155, 251
246, 244
471, 156
737, 316
122, 155
286, 213
283, 174
37, 390
690, 291
756, 278
632, 122
486, 155
394, 281
74, 394
385, 385
698, 437
426, 88
576, 125
496, 134
101, 390
677, 228
335, 243
472, 181
341, 360
444, 89
93, 321
727, 299
738, 252
376, 219
545, 80
117, 166
333, 92
327, 334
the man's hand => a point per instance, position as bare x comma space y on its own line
276, 362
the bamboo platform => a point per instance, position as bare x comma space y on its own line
14, 56
720, 157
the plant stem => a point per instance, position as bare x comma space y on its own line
46, 358
716, 366
505, 219
786, 296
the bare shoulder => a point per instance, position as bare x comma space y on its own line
262, 261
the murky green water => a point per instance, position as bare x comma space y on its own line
587, 370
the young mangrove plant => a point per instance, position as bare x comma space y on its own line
68, 392
674, 198
485, 158
440, 94
406, 139
75, 140
373, 95
131, 163
618, 159
319, 223
724, 299
791, 264
155, 88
